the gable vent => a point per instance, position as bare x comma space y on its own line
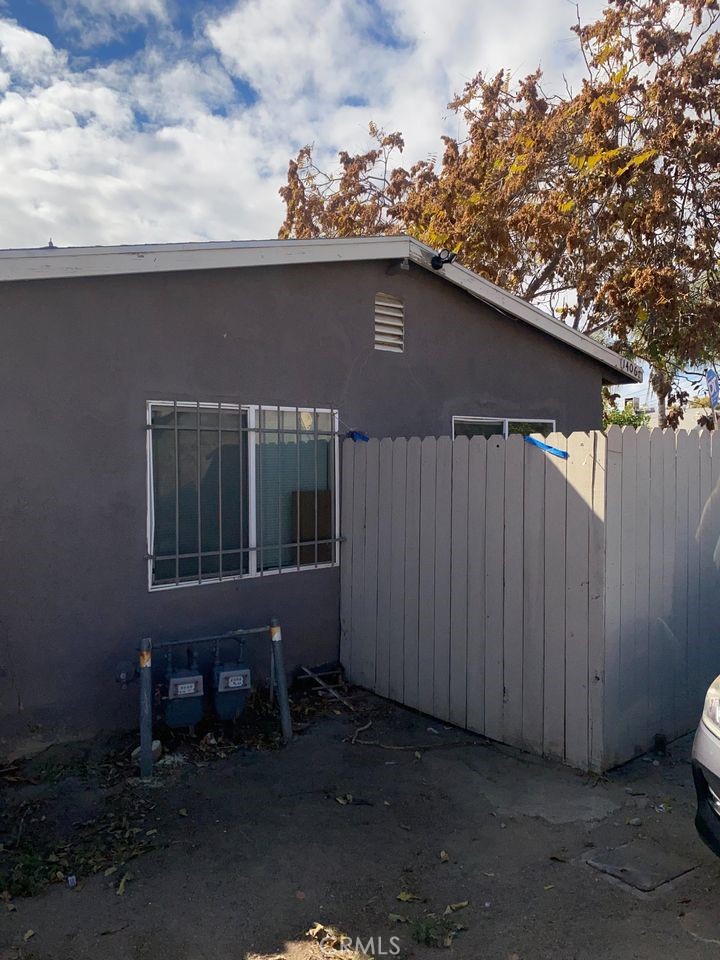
389, 323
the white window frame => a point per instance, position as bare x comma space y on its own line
505, 421
252, 411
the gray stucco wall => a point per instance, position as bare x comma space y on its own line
80, 359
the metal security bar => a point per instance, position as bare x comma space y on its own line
239, 490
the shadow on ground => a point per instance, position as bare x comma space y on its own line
532, 859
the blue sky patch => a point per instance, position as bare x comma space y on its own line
382, 30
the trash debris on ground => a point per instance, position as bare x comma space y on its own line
171, 760
157, 750
124, 880
454, 907
46, 847
333, 942
416, 748
328, 688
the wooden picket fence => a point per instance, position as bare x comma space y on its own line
565, 606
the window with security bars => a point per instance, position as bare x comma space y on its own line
238, 491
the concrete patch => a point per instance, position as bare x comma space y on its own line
702, 922
643, 864
544, 791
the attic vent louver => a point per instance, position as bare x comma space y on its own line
389, 323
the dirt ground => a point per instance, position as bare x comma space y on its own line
245, 854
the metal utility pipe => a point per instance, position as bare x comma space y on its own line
281, 681
146, 732
231, 635
146, 689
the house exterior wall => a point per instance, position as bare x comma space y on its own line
80, 359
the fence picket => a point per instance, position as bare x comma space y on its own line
367, 608
494, 586
628, 569
655, 598
680, 582
669, 654
641, 685
359, 657
513, 596
579, 499
705, 561
693, 708
475, 678
554, 668
426, 633
533, 598
596, 604
613, 579
459, 583
397, 570
412, 574
711, 536
384, 636
443, 520
346, 569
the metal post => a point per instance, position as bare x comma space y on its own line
146, 732
272, 674
281, 681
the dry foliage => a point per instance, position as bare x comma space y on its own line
602, 204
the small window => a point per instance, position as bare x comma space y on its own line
500, 426
236, 491
389, 323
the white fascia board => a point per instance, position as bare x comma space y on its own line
65, 262
515, 307
158, 258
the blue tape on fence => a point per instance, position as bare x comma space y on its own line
555, 451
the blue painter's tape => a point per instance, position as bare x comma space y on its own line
555, 451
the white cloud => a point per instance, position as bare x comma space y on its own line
101, 21
159, 146
318, 49
308, 59
26, 55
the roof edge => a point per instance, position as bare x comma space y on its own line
514, 306
64, 262
59, 262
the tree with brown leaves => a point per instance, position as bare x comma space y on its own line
603, 205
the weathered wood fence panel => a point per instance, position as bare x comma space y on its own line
662, 588
563, 606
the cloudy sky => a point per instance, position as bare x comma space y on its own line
133, 121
